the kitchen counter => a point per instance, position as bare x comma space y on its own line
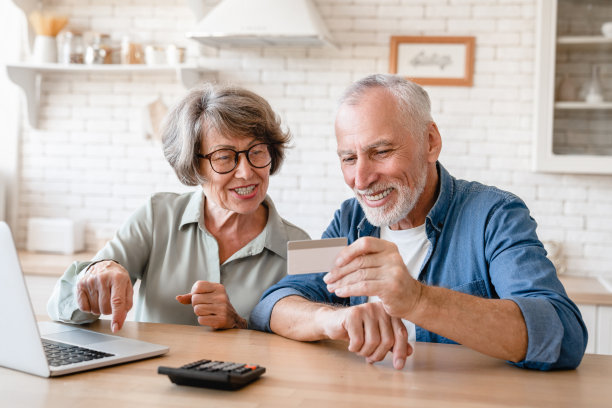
44, 264
586, 290
582, 290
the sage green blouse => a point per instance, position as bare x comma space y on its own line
166, 246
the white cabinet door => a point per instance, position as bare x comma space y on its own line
589, 315
604, 330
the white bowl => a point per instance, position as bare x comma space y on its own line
606, 29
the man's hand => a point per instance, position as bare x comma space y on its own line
212, 306
374, 267
371, 332
105, 288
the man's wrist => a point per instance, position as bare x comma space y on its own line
420, 306
324, 318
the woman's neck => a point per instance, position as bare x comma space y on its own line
233, 230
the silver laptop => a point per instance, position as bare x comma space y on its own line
50, 349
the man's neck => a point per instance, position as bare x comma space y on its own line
425, 203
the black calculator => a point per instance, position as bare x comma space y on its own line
213, 374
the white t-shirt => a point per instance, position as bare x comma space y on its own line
413, 246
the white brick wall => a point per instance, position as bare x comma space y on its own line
89, 160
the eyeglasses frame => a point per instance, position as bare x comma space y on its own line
236, 159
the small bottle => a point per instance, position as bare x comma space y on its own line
567, 89
75, 51
594, 93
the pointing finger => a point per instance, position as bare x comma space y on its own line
119, 306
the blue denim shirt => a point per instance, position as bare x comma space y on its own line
483, 243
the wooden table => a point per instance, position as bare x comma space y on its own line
311, 375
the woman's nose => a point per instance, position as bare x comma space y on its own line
243, 168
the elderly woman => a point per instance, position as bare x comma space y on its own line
203, 257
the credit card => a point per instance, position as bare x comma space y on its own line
313, 256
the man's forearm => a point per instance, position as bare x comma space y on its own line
296, 318
495, 327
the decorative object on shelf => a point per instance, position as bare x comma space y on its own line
594, 93
606, 29
46, 26
131, 52
175, 55
155, 55
99, 50
71, 48
567, 89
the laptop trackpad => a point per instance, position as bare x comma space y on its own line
79, 337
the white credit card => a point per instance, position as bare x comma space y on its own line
313, 256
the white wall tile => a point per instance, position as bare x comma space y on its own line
89, 158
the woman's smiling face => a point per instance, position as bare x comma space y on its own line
243, 189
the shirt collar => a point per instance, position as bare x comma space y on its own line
274, 235
437, 214
193, 210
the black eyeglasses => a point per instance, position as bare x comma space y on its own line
223, 161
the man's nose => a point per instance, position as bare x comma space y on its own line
365, 174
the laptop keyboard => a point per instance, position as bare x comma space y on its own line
59, 354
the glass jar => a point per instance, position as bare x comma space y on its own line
99, 50
71, 50
131, 52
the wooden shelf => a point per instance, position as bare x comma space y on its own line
584, 40
28, 76
578, 105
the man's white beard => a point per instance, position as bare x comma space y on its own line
394, 212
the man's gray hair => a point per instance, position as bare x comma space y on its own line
228, 110
412, 100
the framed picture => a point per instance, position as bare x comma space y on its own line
433, 60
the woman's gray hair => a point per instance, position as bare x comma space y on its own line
228, 110
412, 100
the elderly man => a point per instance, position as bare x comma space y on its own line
431, 258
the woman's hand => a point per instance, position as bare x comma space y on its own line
105, 288
212, 306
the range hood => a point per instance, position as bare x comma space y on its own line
262, 23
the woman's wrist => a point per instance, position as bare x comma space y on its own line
101, 260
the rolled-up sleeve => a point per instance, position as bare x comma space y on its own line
521, 272
62, 304
130, 247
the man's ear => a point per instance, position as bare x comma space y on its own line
434, 142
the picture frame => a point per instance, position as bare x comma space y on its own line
445, 61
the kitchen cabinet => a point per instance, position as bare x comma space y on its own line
604, 330
589, 316
598, 319
29, 77
573, 135
593, 296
